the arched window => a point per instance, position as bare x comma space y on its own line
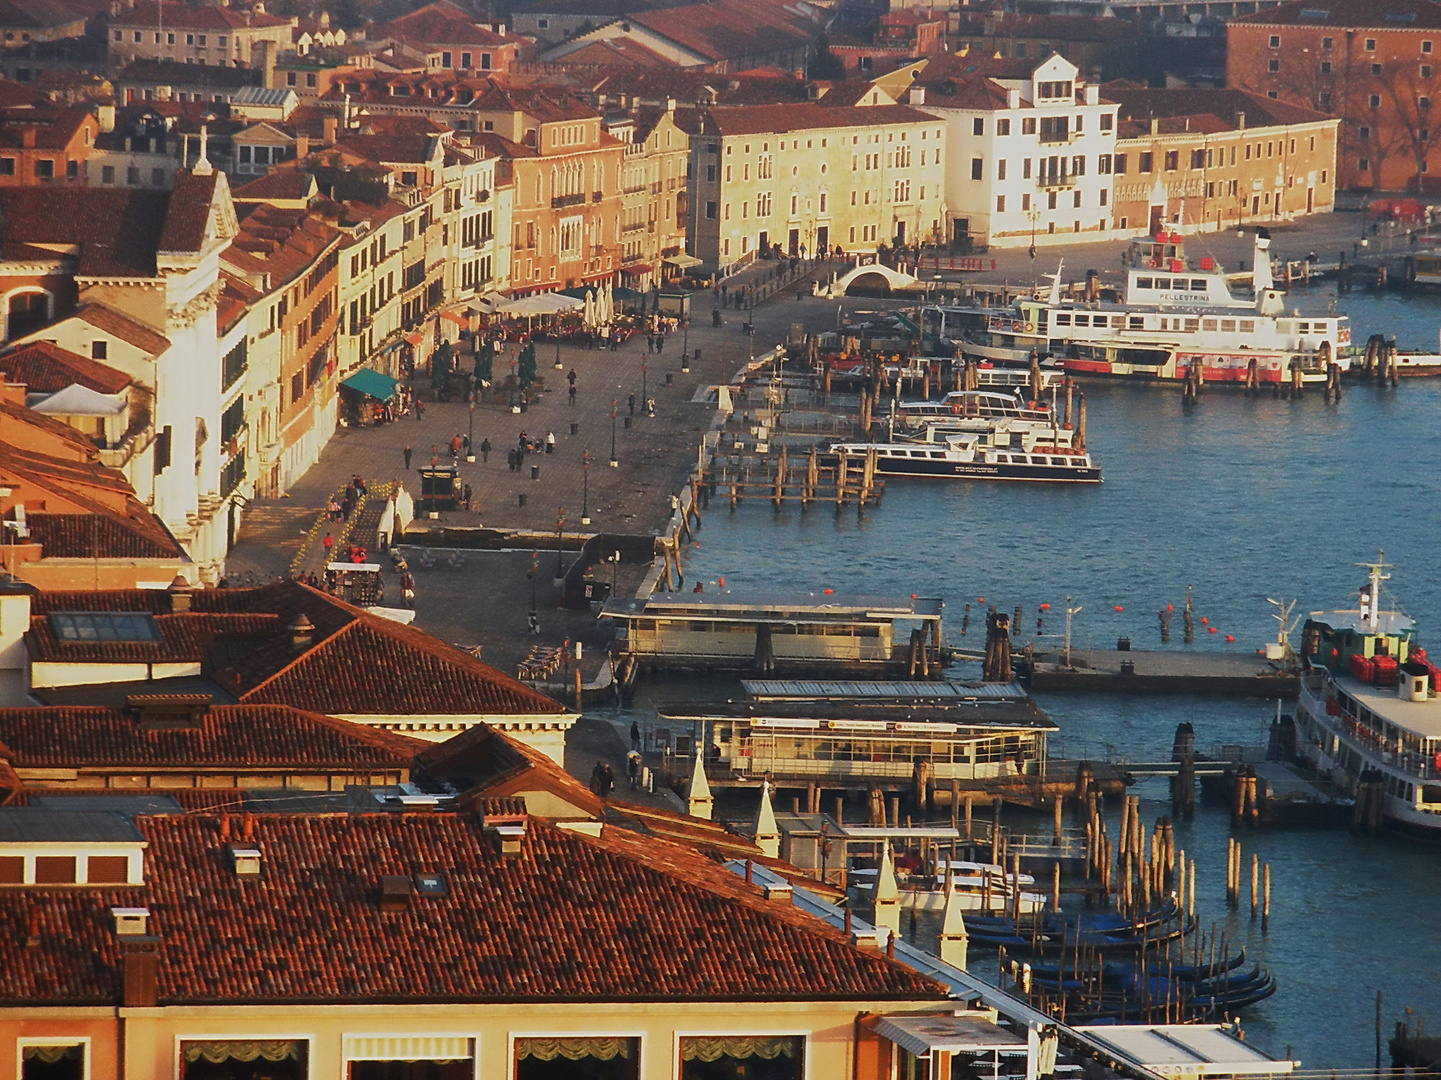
26, 311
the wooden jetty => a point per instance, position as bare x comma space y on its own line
1138, 672
852, 479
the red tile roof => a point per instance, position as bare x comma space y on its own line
46, 369
239, 737
731, 29
90, 536
440, 23
768, 119
124, 327
1367, 14
615, 918
495, 766
357, 664
54, 128
194, 17
189, 212
117, 230
1205, 108
186, 638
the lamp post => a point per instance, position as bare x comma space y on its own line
585, 488
644, 367
470, 453
614, 412
512, 386
534, 574
559, 539
685, 346
614, 571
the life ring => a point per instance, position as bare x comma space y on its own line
956, 408
1153, 263
1030, 328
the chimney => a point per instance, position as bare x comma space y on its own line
509, 830
1013, 99
169, 712
302, 147
179, 590
1155, 126
395, 892
302, 632
780, 893
130, 921
106, 115
245, 860
329, 126
1093, 94
140, 964
27, 136
1240, 121
918, 95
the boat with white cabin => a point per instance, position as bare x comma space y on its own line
1368, 709
997, 453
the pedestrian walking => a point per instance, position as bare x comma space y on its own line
419, 410
510, 459
407, 589
465, 445
630, 404
327, 543
550, 442
634, 735
466, 497
572, 393
632, 769
484, 450
570, 377
455, 447
407, 458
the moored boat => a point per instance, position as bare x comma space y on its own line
978, 456
1368, 715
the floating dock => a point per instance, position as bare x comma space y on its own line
1134, 672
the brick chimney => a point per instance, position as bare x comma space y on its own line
302, 147
140, 966
330, 125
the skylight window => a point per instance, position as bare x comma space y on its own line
1401, 16
1315, 13
104, 626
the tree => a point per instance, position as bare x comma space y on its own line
485, 363
525, 369
440, 367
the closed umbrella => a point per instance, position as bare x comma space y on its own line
588, 317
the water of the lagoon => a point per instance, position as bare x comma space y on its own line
1243, 499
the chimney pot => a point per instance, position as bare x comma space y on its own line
509, 829
140, 962
781, 893
301, 633
248, 827
179, 590
246, 860
130, 921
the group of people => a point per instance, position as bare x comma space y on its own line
525, 445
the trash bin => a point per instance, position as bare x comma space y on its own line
627, 421
669, 377
535, 472
575, 429
521, 497
715, 317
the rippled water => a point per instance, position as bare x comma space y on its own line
1242, 499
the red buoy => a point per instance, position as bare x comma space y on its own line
828, 591
1230, 639
722, 581
1213, 629
980, 599
1170, 608
1120, 608
1045, 607
1204, 620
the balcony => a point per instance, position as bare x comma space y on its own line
558, 201
595, 196
1054, 181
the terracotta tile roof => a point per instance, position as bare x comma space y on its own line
730, 29
1206, 109
246, 737
616, 52
440, 23
190, 17
89, 536
46, 369
37, 14
409, 149
124, 327
954, 82
189, 212
287, 184
54, 128
1059, 28
357, 664
689, 86
184, 638
170, 73
1369, 14
768, 119
615, 918
494, 766
117, 230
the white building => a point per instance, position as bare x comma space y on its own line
1028, 159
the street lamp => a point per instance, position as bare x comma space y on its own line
614, 412
513, 406
644, 366
559, 539
585, 488
470, 453
534, 574
685, 346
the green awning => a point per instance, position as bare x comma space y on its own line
372, 384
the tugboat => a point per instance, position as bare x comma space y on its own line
1368, 714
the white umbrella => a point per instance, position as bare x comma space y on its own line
588, 318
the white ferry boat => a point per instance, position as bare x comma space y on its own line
1368, 709
981, 456
973, 403
1178, 313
